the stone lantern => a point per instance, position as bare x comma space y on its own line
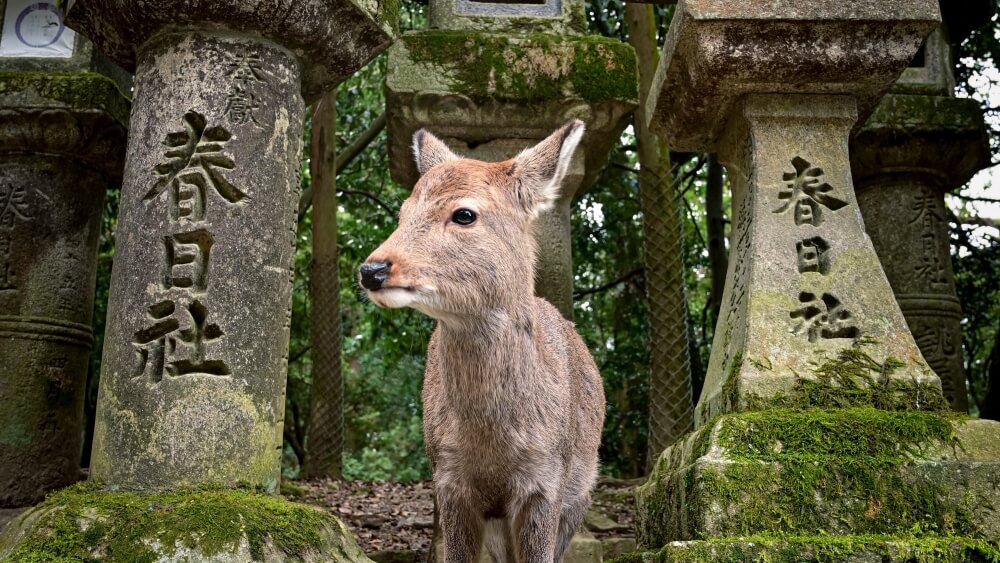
820, 426
63, 117
920, 143
492, 78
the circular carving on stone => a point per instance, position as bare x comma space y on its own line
39, 25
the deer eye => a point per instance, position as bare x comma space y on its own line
464, 216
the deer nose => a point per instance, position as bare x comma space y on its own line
374, 274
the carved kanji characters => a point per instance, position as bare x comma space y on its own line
823, 317
193, 163
186, 260
168, 347
805, 189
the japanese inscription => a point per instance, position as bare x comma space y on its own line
808, 193
931, 268
823, 317
242, 102
812, 255
177, 337
193, 163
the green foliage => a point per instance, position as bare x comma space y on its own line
80, 521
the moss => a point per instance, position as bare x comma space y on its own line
75, 90
854, 379
80, 521
388, 13
808, 471
531, 67
776, 548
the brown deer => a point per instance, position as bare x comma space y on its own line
513, 403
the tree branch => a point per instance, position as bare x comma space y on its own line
609, 285
372, 197
345, 157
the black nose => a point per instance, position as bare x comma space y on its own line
374, 274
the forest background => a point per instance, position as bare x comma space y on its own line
383, 350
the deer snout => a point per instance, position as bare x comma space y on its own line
374, 274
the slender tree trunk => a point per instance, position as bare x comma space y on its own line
717, 258
670, 405
325, 431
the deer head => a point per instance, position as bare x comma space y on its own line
465, 240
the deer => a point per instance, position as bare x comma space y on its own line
513, 401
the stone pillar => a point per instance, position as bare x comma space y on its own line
804, 282
920, 143
819, 424
193, 375
62, 144
489, 95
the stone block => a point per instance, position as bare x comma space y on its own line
331, 39
475, 88
583, 548
717, 51
563, 17
616, 547
838, 472
827, 549
944, 136
84, 523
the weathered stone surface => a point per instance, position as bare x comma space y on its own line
804, 284
489, 96
330, 39
583, 548
835, 472
912, 151
82, 523
598, 522
717, 51
62, 144
565, 17
930, 72
828, 549
616, 547
193, 374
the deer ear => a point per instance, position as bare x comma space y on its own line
429, 151
539, 171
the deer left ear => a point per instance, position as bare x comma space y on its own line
429, 151
539, 171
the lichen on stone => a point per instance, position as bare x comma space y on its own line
528, 67
71, 90
85, 523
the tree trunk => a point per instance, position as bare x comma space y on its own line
325, 431
670, 405
717, 258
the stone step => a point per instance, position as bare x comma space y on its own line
847, 471
828, 549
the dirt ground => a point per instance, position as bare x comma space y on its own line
387, 516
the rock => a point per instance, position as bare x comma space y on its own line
418, 522
193, 525
615, 547
583, 548
597, 522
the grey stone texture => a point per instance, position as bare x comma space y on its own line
911, 152
564, 17
804, 283
195, 358
717, 51
330, 39
490, 95
583, 548
817, 473
62, 145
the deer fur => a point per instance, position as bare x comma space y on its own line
513, 402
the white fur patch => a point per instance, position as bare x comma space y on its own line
392, 298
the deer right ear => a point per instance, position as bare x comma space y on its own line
429, 151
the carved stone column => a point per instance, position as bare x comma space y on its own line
820, 423
490, 95
193, 375
920, 143
62, 145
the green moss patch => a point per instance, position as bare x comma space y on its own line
815, 471
83, 523
794, 549
853, 379
73, 90
530, 67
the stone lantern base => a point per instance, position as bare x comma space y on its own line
85, 523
